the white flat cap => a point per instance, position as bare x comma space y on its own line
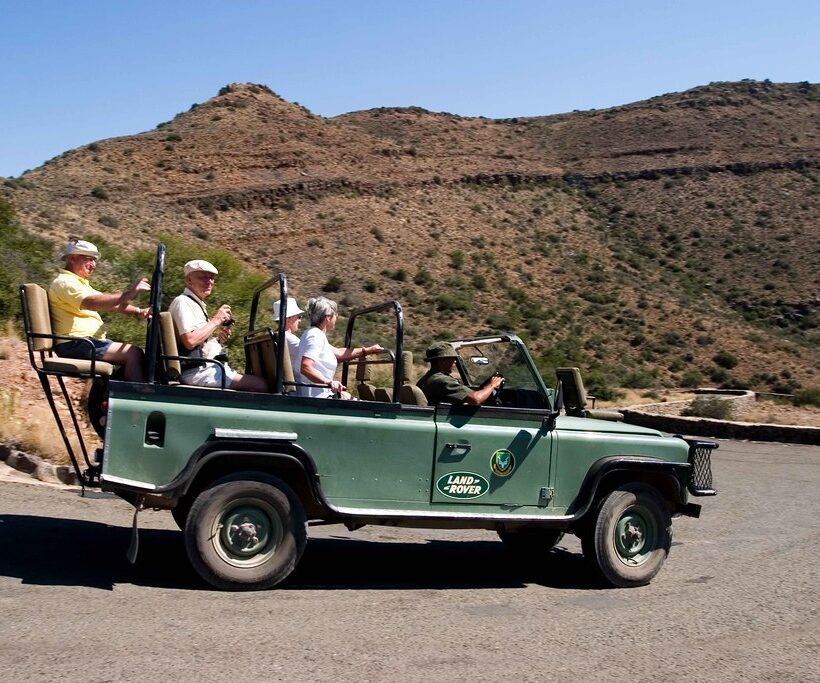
82, 248
199, 264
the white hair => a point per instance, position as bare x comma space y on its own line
320, 308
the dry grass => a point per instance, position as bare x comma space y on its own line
770, 412
32, 428
10, 342
634, 397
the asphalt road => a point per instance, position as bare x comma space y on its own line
736, 600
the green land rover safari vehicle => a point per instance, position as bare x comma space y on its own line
244, 474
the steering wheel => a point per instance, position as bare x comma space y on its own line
495, 397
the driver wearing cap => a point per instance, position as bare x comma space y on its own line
201, 336
75, 307
439, 386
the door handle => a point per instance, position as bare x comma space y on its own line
462, 446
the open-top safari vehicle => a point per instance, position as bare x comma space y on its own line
245, 474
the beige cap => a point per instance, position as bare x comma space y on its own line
199, 264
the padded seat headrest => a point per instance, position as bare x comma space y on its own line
364, 372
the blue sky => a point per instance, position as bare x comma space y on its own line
76, 71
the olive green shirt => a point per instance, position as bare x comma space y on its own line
441, 388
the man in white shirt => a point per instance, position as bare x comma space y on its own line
195, 331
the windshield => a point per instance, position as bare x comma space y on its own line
482, 358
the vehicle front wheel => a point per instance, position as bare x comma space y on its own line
631, 536
246, 534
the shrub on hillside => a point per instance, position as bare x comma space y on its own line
452, 302
423, 277
709, 406
691, 378
334, 284
639, 379
109, 221
809, 396
25, 257
725, 359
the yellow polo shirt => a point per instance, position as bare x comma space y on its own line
65, 296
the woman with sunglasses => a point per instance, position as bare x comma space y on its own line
293, 314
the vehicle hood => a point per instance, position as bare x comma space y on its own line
586, 424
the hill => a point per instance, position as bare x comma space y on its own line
670, 241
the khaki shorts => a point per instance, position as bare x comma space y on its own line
208, 375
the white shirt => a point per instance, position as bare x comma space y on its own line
189, 314
314, 345
293, 350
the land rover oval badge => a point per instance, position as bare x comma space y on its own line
462, 485
502, 463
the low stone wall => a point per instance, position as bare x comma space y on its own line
666, 417
740, 399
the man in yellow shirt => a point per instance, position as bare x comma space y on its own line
74, 312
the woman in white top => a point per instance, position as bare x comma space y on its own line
318, 358
293, 314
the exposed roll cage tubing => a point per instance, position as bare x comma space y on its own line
280, 334
152, 336
398, 360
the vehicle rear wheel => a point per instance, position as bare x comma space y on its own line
532, 543
180, 512
631, 537
246, 534
97, 405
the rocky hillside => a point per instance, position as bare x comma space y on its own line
671, 241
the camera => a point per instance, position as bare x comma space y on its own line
229, 322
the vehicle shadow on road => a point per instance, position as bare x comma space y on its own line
50, 551
344, 564
68, 552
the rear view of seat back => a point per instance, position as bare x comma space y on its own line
39, 317
575, 396
39, 337
409, 393
260, 357
383, 395
168, 344
366, 391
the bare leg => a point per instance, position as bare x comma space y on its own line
249, 383
130, 357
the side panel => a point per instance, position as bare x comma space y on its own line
508, 449
363, 451
577, 449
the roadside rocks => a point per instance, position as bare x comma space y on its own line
37, 467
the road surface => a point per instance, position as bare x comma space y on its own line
736, 600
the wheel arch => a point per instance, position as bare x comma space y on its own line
609, 473
285, 461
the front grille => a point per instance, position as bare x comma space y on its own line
700, 458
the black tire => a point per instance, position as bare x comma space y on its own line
631, 536
180, 512
246, 532
97, 405
531, 543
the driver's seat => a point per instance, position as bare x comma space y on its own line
575, 397
409, 393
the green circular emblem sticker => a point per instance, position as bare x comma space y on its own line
502, 463
463, 485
